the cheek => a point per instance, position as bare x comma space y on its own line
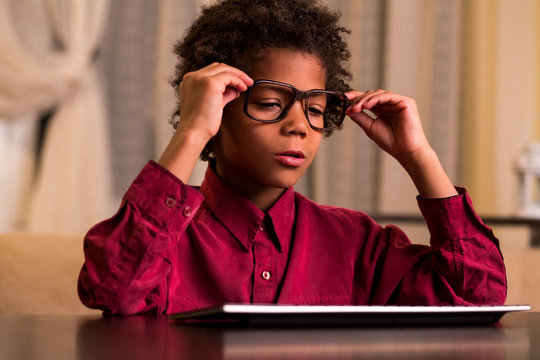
238, 138
315, 142
257, 141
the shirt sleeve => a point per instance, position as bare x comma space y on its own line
464, 265
125, 265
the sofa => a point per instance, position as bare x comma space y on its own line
38, 274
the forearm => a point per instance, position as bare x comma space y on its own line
428, 175
126, 257
182, 153
464, 266
466, 252
121, 269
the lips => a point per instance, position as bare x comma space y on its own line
291, 158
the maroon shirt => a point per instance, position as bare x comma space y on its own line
172, 247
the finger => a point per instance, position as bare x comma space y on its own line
216, 69
364, 120
232, 81
389, 105
389, 101
225, 81
236, 73
353, 96
356, 108
358, 99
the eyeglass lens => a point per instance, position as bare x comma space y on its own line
269, 102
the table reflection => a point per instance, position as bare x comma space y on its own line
145, 337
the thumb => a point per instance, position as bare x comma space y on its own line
230, 94
364, 119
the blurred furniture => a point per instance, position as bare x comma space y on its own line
38, 274
531, 222
522, 268
522, 264
528, 167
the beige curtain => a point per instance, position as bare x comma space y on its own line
344, 172
419, 57
462, 63
501, 106
410, 47
422, 60
473, 68
175, 16
71, 191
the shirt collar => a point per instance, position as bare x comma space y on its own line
242, 217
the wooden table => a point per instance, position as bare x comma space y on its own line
517, 336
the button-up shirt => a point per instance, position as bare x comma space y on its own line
173, 247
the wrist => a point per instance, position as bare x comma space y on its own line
183, 151
428, 175
419, 159
191, 130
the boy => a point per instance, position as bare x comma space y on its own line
260, 83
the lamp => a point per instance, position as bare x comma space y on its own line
528, 167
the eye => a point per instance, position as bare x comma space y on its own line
315, 111
269, 104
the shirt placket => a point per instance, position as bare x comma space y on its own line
265, 277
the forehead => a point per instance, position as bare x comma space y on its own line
300, 69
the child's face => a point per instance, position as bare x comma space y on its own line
254, 156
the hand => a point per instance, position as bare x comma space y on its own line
397, 128
203, 95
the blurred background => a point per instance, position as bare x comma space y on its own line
85, 103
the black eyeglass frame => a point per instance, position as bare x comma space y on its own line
298, 95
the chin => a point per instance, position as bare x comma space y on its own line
283, 182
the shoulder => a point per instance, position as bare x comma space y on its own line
324, 214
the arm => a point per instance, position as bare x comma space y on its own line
465, 252
464, 265
126, 257
203, 95
397, 129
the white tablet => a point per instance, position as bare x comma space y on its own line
329, 315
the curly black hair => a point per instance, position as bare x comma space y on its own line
235, 32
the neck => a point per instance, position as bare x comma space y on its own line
263, 197
264, 200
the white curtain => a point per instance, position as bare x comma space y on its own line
72, 189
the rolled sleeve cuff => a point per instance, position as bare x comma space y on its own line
451, 218
162, 197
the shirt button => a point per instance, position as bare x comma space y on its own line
261, 228
170, 202
266, 275
187, 211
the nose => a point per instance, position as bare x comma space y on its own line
295, 123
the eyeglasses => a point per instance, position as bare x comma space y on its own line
270, 101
